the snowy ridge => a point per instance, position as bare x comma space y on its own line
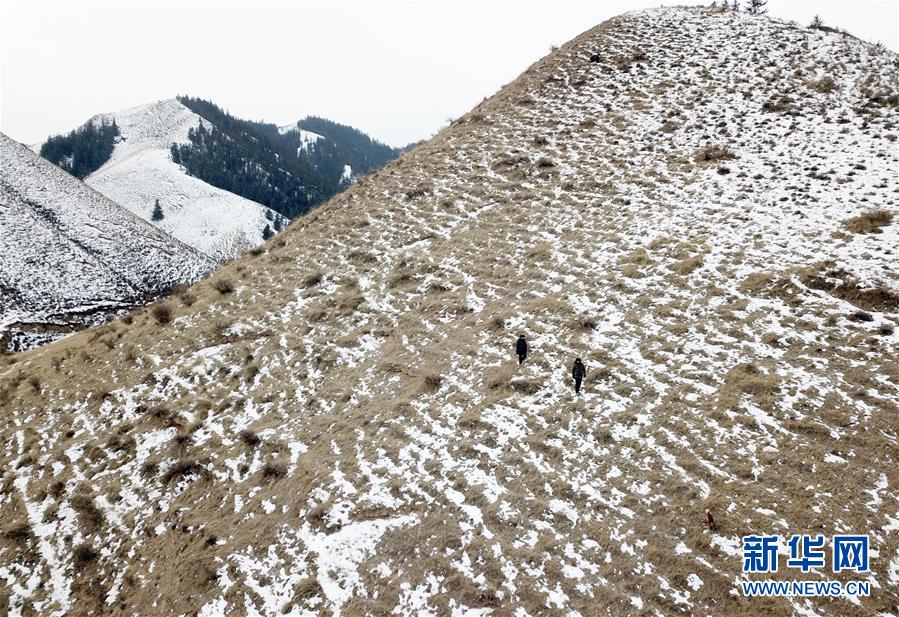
140, 171
68, 253
678, 196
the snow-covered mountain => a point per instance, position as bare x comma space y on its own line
212, 173
140, 172
701, 204
70, 256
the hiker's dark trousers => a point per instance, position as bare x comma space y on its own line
577, 385
521, 357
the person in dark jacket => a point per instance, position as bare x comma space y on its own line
578, 372
521, 348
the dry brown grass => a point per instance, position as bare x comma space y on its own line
869, 222
844, 286
713, 153
824, 85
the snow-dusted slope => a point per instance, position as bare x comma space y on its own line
140, 171
699, 213
68, 254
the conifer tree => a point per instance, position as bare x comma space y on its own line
757, 7
267, 232
157, 212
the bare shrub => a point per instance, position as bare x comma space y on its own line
20, 532
250, 438
183, 469
223, 286
187, 297
861, 316
778, 104
90, 515
416, 192
824, 85
713, 153
83, 554
162, 313
431, 382
273, 471
525, 386
313, 278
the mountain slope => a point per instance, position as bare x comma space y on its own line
691, 213
68, 255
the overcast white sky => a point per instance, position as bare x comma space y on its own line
395, 70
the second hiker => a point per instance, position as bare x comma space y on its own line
578, 373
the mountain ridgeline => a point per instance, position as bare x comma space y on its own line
274, 167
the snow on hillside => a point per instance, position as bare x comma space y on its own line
69, 255
700, 204
140, 171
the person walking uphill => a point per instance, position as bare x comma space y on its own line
578, 372
521, 348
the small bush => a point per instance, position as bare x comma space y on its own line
20, 533
313, 279
545, 163
187, 298
432, 382
861, 316
713, 153
399, 279
162, 313
91, 516
182, 439
84, 554
778, 104
250, 438
525, 386
416, 192
223, 286
885, 330
183, 469
273, 471
824, 85
150, 468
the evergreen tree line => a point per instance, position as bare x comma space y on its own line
255, 160
83, 150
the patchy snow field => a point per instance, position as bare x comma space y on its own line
339, 426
